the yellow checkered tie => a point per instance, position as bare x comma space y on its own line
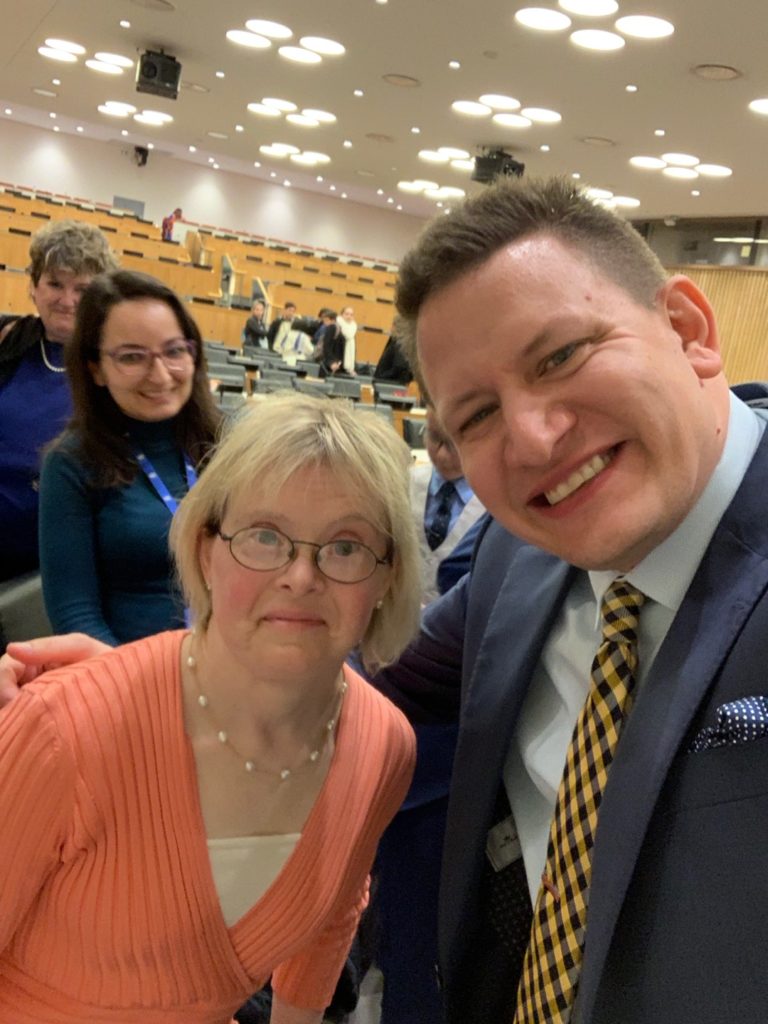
553, 960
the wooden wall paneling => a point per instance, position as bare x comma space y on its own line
14, 293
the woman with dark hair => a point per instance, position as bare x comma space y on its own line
143, 419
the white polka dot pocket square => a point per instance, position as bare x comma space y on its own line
741, 721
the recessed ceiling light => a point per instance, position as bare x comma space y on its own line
123, 131
541, 115
278, 104
454, 65
302, 120
52, 115
319, 158
382, 2
401, 81
716, 72
680, 159
65, 46
543, 19
250, 39
271, 29
714, 170
79, 128
471, 108
576, 175
379, 191
463, 165
630, 88
423, 184
114, 58
453, 153
152, 117
56, 128
125, 24
299, 55
415, 131
626, 201
319, 177
263, 110
647, 163
220, 74
589, 8
597, 39
398, 207
409, 186
193, 149
273, 174
347, 144
239, 128
759, 106
641, 26
660, 133
215, 166
217, 135
49, 93
599, 193
499, 102
118, 108
55, 81
256, 163
8, 111
323, 116
60, 55
318, 44
680, 172
103, 67
512, 120
544, 148
358, 93
150, 145
331, 188
695, 192
286, 183
432, 156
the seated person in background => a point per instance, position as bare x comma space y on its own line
168, 222
329, 344
444, 504
445, 511
210, 802
281, 325
392, 364
143, 420
255, 330
35, 400
349, 330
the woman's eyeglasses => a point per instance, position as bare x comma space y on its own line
262, 549
135, 360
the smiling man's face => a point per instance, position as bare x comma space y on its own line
587, 423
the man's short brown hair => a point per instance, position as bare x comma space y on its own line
453, 244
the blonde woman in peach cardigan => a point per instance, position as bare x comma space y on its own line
192, 814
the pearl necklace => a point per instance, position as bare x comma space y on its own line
250, 766
51, 367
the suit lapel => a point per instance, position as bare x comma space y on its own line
500, 676
730, 580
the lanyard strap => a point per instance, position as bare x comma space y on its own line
157, 482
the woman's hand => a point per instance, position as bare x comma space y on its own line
25, 661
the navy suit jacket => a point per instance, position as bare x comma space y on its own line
677, 931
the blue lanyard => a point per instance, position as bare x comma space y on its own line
157, 482
162, 491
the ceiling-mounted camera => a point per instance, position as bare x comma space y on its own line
493, 163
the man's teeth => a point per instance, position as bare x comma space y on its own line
586, 472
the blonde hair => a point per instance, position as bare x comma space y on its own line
69, 245
280, 436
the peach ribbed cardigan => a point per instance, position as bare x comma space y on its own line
108, 911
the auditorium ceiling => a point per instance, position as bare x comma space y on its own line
378, 122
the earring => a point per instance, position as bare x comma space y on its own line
379, 605
208, 586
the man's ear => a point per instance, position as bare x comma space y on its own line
689, 314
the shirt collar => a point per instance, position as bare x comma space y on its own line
685, 547
463, 489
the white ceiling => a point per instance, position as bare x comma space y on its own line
418, 38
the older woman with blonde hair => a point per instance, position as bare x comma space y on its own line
198, 811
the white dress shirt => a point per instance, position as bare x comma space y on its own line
560, 684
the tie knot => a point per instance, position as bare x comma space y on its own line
446, 490
619, 612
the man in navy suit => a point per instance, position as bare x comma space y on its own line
595, 424
594, 421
